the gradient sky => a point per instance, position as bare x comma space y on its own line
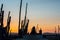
46, 13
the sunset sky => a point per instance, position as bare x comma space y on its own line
45, 13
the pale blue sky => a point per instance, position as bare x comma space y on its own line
36, 8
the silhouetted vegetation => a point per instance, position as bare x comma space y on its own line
22, 32
33, 32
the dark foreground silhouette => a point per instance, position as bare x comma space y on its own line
22, 32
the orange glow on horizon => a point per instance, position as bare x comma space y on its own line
44, 27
